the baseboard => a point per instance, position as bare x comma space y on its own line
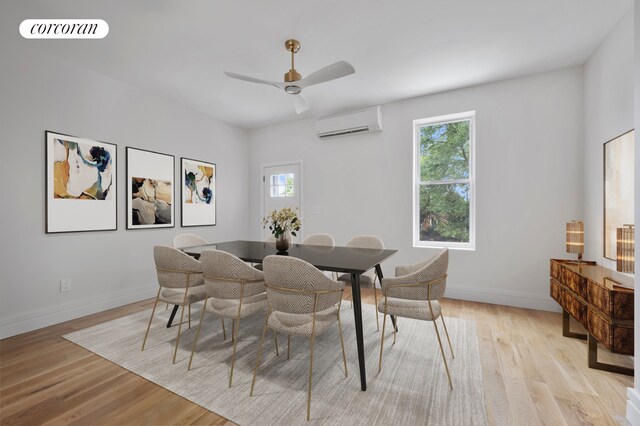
23, 323
503, 297
633, 407
33, 320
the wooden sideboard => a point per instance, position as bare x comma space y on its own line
602, 301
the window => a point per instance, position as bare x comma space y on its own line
444, 181
281, 185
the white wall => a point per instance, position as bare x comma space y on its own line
107, 269
528, 169
633, 394
608, 107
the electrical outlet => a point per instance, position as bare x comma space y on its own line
65, 285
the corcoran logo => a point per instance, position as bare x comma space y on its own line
64, 28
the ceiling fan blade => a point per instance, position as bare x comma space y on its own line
330, 72
253, 80
300, 103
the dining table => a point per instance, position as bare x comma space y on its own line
347, 260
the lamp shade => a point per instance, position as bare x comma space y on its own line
625, 249
575, 237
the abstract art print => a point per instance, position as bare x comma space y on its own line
198, 191
150, 189
81, 193
618, 188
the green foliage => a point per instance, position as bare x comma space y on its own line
444, 151
444, 208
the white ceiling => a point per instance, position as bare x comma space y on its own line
400, 49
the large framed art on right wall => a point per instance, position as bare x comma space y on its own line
618, 188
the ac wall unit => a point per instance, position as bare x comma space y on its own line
350, 123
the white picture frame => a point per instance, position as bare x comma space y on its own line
198, 196
152, 204
81, 184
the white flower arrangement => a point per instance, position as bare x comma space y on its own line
281, 221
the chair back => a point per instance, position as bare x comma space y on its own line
228, 277
320, 240
366, 241
176, 269
435, 270
188, 240
297, 287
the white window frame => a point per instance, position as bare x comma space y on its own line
443, 119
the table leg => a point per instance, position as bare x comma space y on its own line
357, 314
173, 314
380, 277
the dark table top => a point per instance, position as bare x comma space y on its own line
339, 259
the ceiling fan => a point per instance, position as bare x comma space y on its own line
293, 81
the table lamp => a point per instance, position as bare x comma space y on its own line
575, 238
625, 249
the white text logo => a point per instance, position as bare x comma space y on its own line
64, 28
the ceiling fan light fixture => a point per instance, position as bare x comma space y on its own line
293, 90
293, 81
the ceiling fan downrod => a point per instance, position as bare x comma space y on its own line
292, 75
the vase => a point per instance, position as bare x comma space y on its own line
282, 243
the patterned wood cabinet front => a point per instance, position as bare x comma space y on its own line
598, 298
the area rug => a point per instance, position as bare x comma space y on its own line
411, 389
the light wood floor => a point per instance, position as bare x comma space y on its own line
532, 375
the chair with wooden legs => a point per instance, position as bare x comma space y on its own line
303, 302
415, 293
368, 278
235, 290
180, 283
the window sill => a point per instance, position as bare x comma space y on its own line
450, 246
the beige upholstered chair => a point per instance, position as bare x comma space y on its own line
320, 240
415, 293
302, 301
181, 283
188, 240
234, 290
268, 239
368, 278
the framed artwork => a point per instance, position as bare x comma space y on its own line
150, 189
81, 190
618, 188
198, 193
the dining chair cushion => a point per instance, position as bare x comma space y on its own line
302, 324
298, 280
320, 240
366, 279
175, 269
410, 269
229, 307
408, 308
224, 274
188, 240
175, 296
433, 269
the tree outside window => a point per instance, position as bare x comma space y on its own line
444, 182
